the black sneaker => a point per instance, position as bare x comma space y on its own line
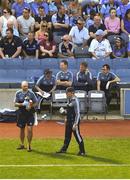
20, 147
29, 149
60, 151
81, 154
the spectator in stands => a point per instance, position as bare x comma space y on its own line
31, 46
10, 45
39, 35
125, 27
73, 18
90, 19
26, 101
118, 49
4, 19
26, 23
66, 47
100, 46
105, 9
112, 24
64, 77
83, 78
105, 81
47, 46
93, 28
53, 6
79, 34
46, 83
60, 22
4, 4
124, 6
74, 8
10, 24
39, 3
41, 17
18, 7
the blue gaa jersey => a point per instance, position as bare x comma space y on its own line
21, 96
73, 110
30, 48
46, 84
84, 77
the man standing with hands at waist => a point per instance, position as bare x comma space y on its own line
72, 123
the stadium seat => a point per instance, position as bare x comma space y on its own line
15, 75
119, 63
32, 64
31, 74
2, 64
124, 74
14, 63
51, 63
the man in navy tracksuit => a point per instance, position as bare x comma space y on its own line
72, 123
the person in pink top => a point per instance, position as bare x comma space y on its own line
112, 24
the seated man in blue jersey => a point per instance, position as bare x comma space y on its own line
83, 78
105, 81
64, 78
30, 46
46, 83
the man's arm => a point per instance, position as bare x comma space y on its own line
98, 85
17, 52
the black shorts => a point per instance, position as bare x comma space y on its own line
25, 118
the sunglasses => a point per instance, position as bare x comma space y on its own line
44, 25
5, 12
46, 35
79, 23
64, 40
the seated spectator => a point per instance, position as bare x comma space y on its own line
118, 49
100, 47
46, 83
31, 47
74, 8
105, 9
41, 17
4, 19
10, 45
18, 7
79, 33
90, 19
39, 35
4, 4
60, 22
53, 6
10, 24
83, 78
112, 24
124, 6
64, 77
125, 27
47, 46
93, 28
39, 3
26, 23
66, 47
105, 81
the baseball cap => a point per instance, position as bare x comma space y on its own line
99, 32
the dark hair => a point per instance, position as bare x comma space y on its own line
127, 12
107, 66
50, 36
47, 71
112, 9
10, 29
70, 89
84, 64
40, 7
8, 10
65, 62
27, 9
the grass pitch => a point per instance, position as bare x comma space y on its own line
107, 158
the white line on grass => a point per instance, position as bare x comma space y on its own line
64, 165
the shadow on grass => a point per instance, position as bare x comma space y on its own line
53, 155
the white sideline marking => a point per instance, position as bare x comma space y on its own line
64, 165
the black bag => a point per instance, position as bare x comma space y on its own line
8, 116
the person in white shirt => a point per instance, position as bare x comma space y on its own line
26, 23
79, 34
100, 47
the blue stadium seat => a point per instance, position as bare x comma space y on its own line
124, 74
51, 63
32, 64
3, 75
15, 75
32, 74
13, 63
119, 63
2, 63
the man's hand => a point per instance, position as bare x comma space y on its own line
75, 126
